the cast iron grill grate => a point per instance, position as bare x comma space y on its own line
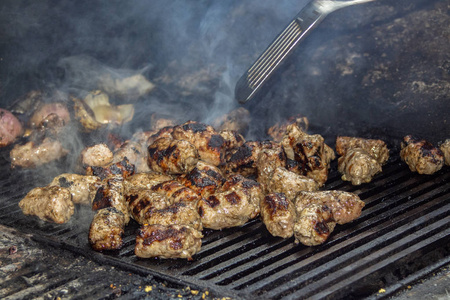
402, 234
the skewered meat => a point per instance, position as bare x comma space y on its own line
358, 166
123, 168
344, 207
210, 144
232, 139
445, 148
172, 156
141, 202
313, 225
31, 154
421, 156
205, 179
10, 128
278, 214
82, 187
111, 194
236, 120
107, 229
173, 241
375, 148
135, 153
290, 183
144, 181
53, 204
177, 192
268, 160
98, 155
44, 110
278, 130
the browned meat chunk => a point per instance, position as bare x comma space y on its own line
278, 130
210, 144
236, 120
421, 156
278, 214
205, 179
445, 148
252, 189
123, 168
52, 204
44, 110
10, 128
343, 206
31, 154
165, 132
313, 225
82, 187
135, 153
358, 166
141, 202
375, 148
107, 229
232, 139
177, 192
144, 181
172, 156
290, 183
268, 161
98, 155
175, 214
173, 241
111, 194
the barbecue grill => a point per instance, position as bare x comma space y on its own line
402, 235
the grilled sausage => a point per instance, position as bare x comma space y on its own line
107, 229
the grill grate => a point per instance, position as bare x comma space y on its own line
403, 232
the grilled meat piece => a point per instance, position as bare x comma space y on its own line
421, 156
172, 156
10, 128
177, 192
82, 187
58, 109
31, 154
111, 194
53, 204
268, 160
313, 225
173, 241
445, 148
375, 148
290, 183
343, 206
278, 214
144, 181
252, 189
165, 132
98, 155
141, 202
107, 229
135, 153
358, 166
278, 130
236, 120
123, 168
205, 179
210, 144
233, 139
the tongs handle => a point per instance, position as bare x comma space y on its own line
297, 30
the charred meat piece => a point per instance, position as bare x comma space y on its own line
205, 179
123, 168
173, 241
251, 189
375, 148
141, 202
421, 156
10, 128
278, 130
31, 154
343, 206
445, 148
172, 156
233, 139
210, 144
278, 214
135, 153
267, 162
111, 194
177, 192
165, 132
107, 229
290, 183
358, 166
313, 225
98, 155
82, 187
144, 181
236, 120
53, 204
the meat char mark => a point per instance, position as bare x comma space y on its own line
123, 168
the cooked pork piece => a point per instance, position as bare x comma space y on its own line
290, 183
52, 125
141, 137
278, 130
107, 229
232, 139
268, 160
123, 168
358, 166
31, 154
44, 110
205, 179
236, 203
172, 156
177, 192
445, 148
210, 144
343, 206
144, 181
98, 155
236, 120
141, 202
10, 128
313, 225
111, 194
82, 187
135, 153
310, 151
376, 148
278, 214
52, 204
165, 132
421, 156
173, 241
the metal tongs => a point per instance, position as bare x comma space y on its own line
306, 20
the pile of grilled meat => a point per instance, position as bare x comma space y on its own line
176, 180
